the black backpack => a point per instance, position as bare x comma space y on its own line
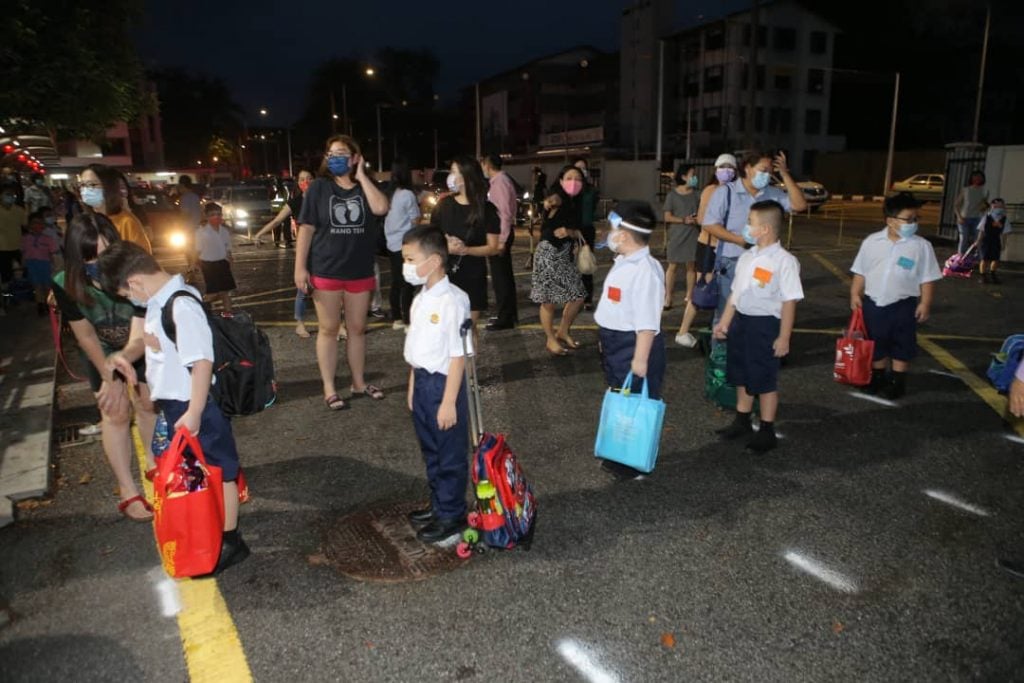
243, 364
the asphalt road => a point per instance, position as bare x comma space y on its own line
862, 549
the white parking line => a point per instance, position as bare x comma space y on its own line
1014, 438
821, 572
581, 658
874, 399
950, 499
944, 374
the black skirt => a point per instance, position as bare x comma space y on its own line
217, 276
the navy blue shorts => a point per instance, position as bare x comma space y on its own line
617, 349
893, 328
750, 360
215, 434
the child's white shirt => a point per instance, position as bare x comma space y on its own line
213, 244
435, 319
167, 369
765, 279
894, 271
633, 294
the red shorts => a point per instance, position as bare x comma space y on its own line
330, 284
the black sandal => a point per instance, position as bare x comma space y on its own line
374, 392
335, 403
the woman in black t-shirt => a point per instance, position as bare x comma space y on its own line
472, 226
556, 281
334, 257
104, 324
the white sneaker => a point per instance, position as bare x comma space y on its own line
398, 325
687, 340
91, 430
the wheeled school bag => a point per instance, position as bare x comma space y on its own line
961, 265
243, 364
1004, 364
506, 509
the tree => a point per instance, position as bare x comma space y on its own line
71, 65
195, 111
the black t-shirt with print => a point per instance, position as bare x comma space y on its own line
344, 243
453, 219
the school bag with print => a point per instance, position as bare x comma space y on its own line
243, 364
1004, 364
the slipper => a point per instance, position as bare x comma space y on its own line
374, 392
560, 352
123, 506
335, 402
150, 473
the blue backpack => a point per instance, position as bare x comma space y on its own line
1004, 364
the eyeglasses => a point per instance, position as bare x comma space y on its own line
91, 186
338, 154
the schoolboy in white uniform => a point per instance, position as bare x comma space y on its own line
758, 320
897, 271
179, 374
437, 396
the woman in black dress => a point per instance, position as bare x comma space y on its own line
473, 228
556, 281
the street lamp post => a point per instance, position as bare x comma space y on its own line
288, 135
380, 146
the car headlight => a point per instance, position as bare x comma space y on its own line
177, 239
241, 213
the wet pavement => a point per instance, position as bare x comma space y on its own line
862, 549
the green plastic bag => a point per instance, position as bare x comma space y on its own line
716, 389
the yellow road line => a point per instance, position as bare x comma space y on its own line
209, 640
832, 268
983, 389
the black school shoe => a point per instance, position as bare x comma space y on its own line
764, 440
421, 518
441, 529
739, 428
232, 551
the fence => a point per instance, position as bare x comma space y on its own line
962, 159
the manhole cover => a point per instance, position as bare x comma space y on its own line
379, 544
70, 435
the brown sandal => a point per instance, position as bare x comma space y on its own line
335, 403
374, 392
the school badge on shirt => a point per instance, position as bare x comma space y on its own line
435, 318
762, 277
615, 294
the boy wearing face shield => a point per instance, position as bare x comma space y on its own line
897, 270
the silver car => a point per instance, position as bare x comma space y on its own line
924, 186
247, 207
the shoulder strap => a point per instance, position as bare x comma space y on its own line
725, 224
167, 314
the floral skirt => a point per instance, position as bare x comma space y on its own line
555, 278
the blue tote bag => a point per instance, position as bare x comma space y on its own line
630, 429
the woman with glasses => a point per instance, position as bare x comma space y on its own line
334, 259
105, 190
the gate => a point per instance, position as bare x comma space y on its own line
962, 159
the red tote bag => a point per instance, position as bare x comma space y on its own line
188, 513
854, 352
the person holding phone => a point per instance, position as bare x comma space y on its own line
334, 257
680, 212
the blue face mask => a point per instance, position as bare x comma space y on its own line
761, 180
748, 237
999, 214
93, 196
692, 181
907, 230
92, 271
338, 165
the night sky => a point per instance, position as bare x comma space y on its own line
265, 50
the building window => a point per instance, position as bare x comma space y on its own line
784, 39
691, 87
745, 77
812, 122
115, 147
819, 42
713, 79
780, 120
714, 38
713, 120
783, 81
758, 119
815, 81
762, 36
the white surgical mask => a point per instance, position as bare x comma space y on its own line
412, 276
613, 243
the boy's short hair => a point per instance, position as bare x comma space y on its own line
212, 207
494, 161
639, 213
431, 240
772, 212
120, 261
892, 206
999, 199
185, 181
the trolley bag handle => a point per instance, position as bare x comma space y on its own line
720, 249
476, 418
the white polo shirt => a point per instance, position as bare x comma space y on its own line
213, 244
167, 368
434, 321
765, 279
633, 294
894, 271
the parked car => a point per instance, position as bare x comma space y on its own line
814, 193
923, 186
162, 219
247, 208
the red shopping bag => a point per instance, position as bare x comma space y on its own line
188, 513
854, 352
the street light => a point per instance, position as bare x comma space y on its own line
288, 132
370, 71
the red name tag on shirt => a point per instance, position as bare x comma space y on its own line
615, 294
